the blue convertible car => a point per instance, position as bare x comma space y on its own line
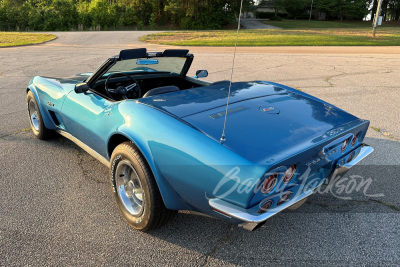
159, 131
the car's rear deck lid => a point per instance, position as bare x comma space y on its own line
196, 100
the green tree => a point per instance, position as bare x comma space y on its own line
206, 14
393, 10
103, 13
296, 8
352, 9
329, 7
343, 9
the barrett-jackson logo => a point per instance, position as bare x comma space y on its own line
324, 157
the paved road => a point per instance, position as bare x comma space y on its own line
253, 24
56, 204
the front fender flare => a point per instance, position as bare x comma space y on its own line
46, 119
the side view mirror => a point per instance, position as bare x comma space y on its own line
201, 74
81, 88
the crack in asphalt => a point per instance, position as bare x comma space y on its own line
353, 202
86, 173
385, 133
389, 205
223, 240
327, 79
16, 132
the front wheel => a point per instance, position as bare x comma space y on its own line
135, 189
35, 118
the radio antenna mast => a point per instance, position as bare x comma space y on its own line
230, 82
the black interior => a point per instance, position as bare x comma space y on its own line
148, 82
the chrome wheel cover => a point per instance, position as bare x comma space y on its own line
129, 188
33, 115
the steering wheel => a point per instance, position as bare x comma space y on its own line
132, 89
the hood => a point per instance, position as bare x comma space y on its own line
69, 82
65, 85
263, 120
78, 78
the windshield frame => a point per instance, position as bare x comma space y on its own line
165, 65
109, 63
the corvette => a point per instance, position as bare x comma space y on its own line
160, 133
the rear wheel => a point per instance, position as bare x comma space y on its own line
35, 118
135, 189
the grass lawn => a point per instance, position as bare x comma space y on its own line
293, 33
8, 39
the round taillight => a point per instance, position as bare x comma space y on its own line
269, 183
285, 197
354, 140
344, 145
267, 204
350, 158
289, 174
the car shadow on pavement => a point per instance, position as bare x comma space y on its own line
361, 205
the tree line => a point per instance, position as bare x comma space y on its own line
50, 15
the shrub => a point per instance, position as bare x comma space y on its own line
277, 18
265, 15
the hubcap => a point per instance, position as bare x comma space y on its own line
129, 188
33, 115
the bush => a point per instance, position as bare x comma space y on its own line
270, 15
265, 15
277, 18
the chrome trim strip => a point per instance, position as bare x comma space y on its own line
82, 145
254, 219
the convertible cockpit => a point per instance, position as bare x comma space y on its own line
136, 73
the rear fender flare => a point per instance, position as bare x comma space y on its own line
171, 199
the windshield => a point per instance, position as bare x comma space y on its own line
151, 65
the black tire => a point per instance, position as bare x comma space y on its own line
129, 173
35, 118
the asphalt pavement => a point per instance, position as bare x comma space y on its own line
56, 203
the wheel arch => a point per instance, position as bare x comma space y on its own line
169, 196
46, 119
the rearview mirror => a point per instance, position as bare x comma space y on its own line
81, 88
201, 74
147, 61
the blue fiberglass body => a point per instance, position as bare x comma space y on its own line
270, 127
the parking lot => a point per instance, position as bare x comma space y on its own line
56, 203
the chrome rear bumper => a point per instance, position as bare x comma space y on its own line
342, 168
253, 220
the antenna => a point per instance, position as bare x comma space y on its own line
230, 82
